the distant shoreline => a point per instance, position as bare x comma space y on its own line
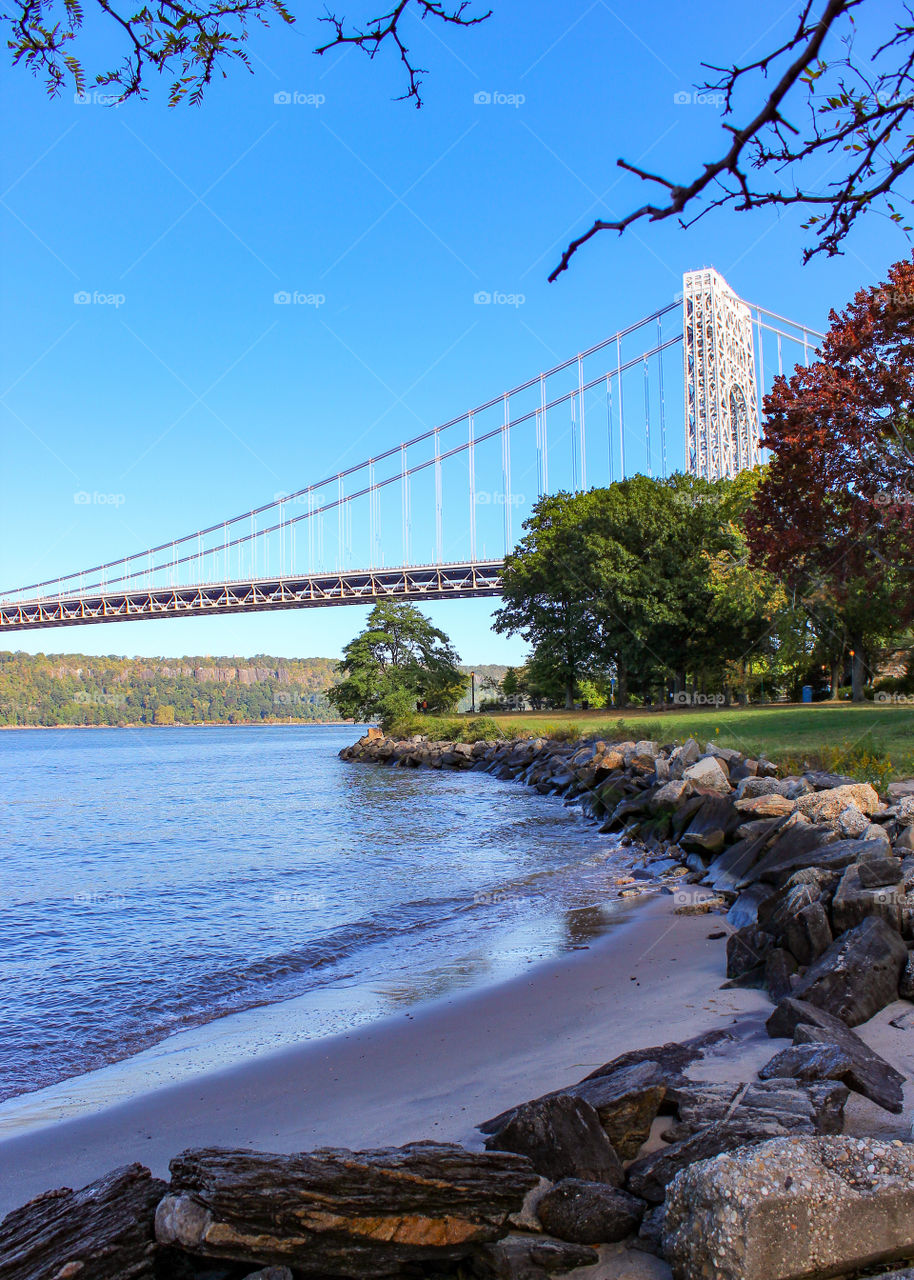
200, 724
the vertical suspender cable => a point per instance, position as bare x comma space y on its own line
582, 429
372, 533
662, 405
439, 530
609, 428
471, 461
621, 406
780, 359
506, 473
340, 517
574, 444
545, 434
647, 416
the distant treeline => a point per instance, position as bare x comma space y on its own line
75, 689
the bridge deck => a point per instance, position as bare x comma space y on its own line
425, 582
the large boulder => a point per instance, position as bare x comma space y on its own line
826, 806
802, 846
711, 825
102, 1232
710, 774
854, 899
563, 1138
529, 1257
765, 805
858, 975
589, 1212
791, 1209
626, 1102
344, 1213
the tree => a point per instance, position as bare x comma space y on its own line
852, 112
834, 515
195, 40
398, 662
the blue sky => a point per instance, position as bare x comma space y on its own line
197, 396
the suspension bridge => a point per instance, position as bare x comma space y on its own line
434, 516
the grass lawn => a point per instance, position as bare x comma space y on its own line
873, 743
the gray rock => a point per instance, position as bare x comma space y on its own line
859, 973
710, 774
877, 873
780, 967
563, 1138
745, 909
752, 786
897, 790
906, 981
711, 825
747, 950
809, 935
853, 902
790, 1209
825, 1061
589, 1212
650, 1176
822, 781
528, 1257
270, 1273
869, 1075
801, 846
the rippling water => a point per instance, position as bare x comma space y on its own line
155, 880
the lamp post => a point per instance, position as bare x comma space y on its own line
473, 692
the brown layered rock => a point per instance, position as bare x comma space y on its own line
102, 1232
338, 1212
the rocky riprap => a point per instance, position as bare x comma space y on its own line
748, 1179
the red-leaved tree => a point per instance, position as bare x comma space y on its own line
833, 517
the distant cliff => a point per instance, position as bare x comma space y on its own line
75, 689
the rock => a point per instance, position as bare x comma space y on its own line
852, 823
734, 864
627, 1100
779, 911
589, 1212
668, 1060
780, 967
747, 950
858, 975
699, 906
270, 1273
870, 1074
650, 1233
853, 902
825, 806
812, 1061
338, 1212
752, 786
809, 934
801, 847
792, 1208
526, 1257
102, 1232
746, 907
801, 1106
822, 781
727, 754
765, 806
875, 833
897, 790
650, 1176
906, 981
682, 757
711, 825
709, 773
563, 1138
669, 795
904, 843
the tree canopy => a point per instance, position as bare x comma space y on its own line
396, 665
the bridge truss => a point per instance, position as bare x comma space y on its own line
434, 516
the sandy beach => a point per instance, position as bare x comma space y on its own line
432, 1073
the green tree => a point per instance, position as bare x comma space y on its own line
398, 663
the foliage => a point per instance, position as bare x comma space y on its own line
397, 664
75, 689
833, 517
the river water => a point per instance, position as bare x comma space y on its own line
194, 895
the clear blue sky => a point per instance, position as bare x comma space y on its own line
198, 397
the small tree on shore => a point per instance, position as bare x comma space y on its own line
399, 664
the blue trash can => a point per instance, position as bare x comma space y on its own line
807, 693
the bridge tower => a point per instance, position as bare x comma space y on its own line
721, 396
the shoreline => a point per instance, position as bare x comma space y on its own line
434, 1073
202, 724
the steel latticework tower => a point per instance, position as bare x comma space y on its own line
721, 399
